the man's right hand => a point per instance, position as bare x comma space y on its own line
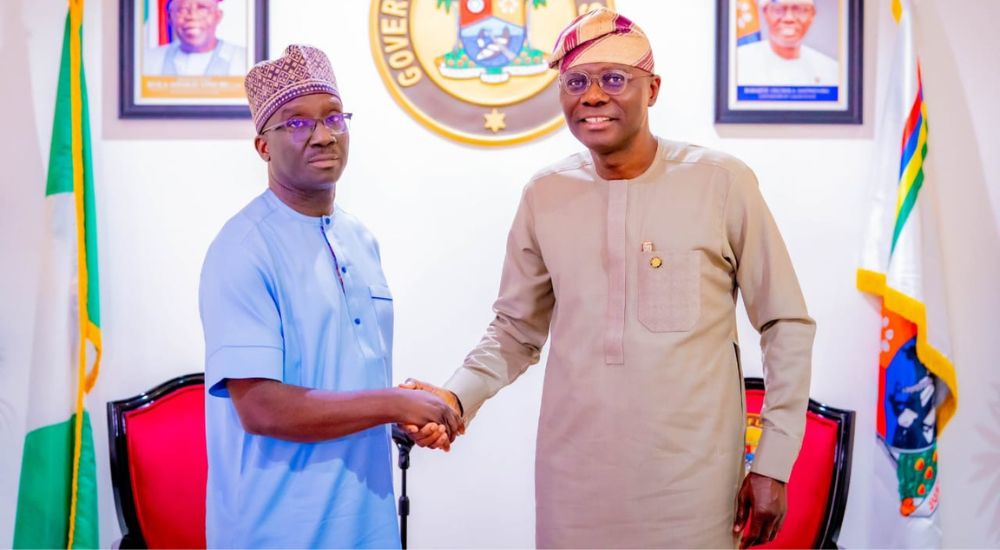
432, 435
440, 420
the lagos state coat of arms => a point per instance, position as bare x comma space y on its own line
475, 71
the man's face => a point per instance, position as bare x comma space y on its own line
607, 123
312, 162
788, 21
194, 21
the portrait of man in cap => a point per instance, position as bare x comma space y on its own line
783, 59
631, 255
298, 324
195, 48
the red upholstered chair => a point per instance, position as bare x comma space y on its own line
817, 489
159, 465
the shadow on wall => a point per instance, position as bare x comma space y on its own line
15, 63
6, 409
22, 190
962, 193
971, 252
986, 471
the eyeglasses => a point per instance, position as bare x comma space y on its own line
612, 81
193, 9
301, 129
799, 11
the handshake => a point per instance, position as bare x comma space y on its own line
433, 417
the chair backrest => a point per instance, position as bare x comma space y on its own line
817, 488
159, 465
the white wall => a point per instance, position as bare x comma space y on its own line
963, 54
441, 212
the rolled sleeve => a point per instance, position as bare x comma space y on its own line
242, 326
241, 362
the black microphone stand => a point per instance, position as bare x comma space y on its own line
404, 444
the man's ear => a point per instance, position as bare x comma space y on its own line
263, 148
654, 89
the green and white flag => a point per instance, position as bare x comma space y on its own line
57, 496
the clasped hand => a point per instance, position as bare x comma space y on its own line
432, 434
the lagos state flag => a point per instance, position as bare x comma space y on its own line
57, 494
900, 264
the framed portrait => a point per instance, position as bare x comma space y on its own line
789, 61
188, 58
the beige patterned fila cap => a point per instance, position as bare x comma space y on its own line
301, 70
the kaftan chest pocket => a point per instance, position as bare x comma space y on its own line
382, 302
669, 290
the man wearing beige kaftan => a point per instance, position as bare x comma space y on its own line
632, 255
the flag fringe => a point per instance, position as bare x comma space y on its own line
89, 332
915, 311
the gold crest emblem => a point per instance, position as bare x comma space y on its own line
475, 71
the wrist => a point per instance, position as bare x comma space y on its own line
390, 405
767, 477
456, 403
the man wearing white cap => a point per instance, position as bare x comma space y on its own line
196, 50
783, 60
631, 255
298, 340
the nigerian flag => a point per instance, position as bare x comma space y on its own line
57, 496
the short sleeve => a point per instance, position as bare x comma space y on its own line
240, 318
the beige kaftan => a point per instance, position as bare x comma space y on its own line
640, 439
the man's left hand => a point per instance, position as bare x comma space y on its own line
762, 503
